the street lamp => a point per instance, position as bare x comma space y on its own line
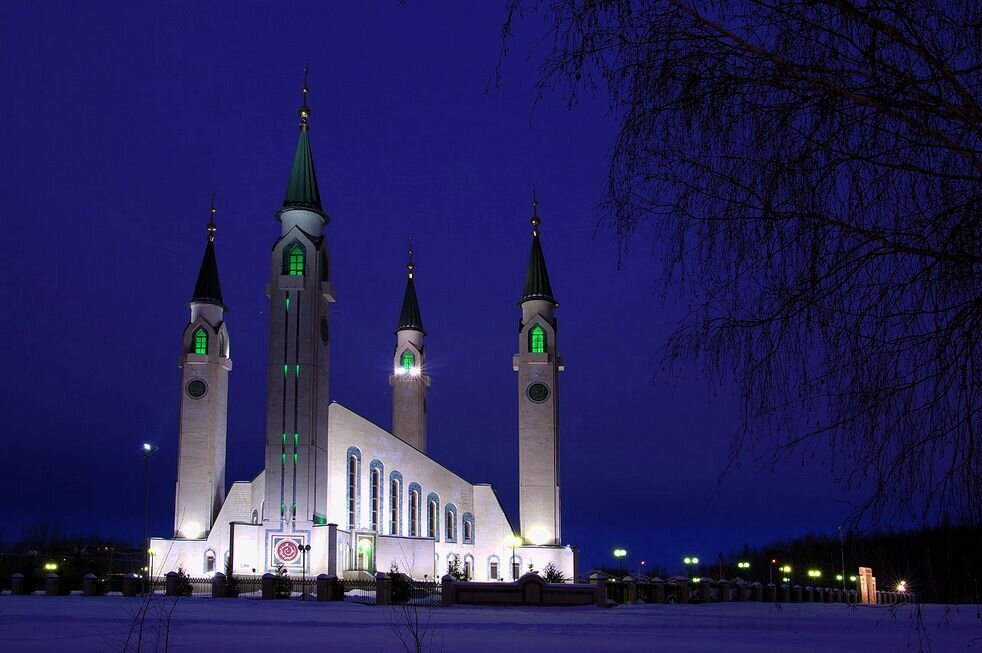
814, 573
619, 554
149, 449
304, 550
641, 569
743, 565
786, 570
689, 562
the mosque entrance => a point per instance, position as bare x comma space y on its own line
365, 553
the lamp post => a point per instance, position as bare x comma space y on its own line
770, 571
619, 554
149, 449
641, 569
842, 555
690, 561
304, 550
786, 570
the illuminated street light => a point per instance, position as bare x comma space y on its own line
814, 573
51, 566
149, 449
690, 561
619, 554
902, 586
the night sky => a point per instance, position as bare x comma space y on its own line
119, 120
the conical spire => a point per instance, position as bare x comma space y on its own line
410, 317
537, 284
208, 289
302, 191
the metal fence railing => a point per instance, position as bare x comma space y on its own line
359, 591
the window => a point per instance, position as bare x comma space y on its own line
408, 360
414, 510
376, 497
200, 339
222, 346
433, 516
354, 465
516, 567
209, 561
468, 521
537, 340
493, 568
451, 527
395, 498
469, 567
295, 265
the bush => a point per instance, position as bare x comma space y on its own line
282, 584
231, 582
553, 574
401, 584
184, 586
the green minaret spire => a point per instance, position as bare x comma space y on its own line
208, 289
410, 317
537, 284
302, 191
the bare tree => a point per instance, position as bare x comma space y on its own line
811, 172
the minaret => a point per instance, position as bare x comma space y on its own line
538, 365
409, 379
205, 365
300, 295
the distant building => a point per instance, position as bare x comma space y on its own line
361, 497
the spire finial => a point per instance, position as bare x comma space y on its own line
304, 109
535, 214
211, 219
410, 266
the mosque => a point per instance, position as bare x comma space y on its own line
339, 494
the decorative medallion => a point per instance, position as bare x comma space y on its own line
538, 392
197, 388
285, 551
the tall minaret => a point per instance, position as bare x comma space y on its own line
300, 295
538, 365
409, 379
205, 365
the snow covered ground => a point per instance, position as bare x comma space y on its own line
75, 623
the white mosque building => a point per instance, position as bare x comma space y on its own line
360, 497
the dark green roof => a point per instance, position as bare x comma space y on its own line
537, 284
302, 191
208, 289
410, 317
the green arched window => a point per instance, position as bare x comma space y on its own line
408, 360
200, 340
537, 340
295, 264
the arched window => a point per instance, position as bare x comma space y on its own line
433, 516
395, 503
255, 516
414, 503
200, 341
451, 523
222, 346
408, 360
354, 469
209, 561
537, 340
376, 498
468, 567
516, 566
295, 261
493, 568
468, 522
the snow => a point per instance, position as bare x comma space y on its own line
39, 623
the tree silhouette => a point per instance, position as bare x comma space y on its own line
810, 170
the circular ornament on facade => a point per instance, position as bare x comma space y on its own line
197, 388
325, 330
538, 392
287, 551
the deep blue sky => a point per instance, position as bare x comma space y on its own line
118, 120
